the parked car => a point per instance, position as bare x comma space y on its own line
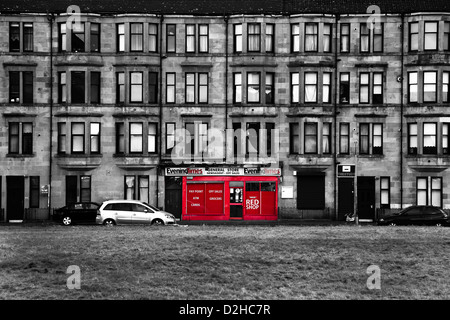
114, 212
419, 215
78, 212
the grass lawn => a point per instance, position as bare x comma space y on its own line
224, 262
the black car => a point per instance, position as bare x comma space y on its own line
78, 212
418, 215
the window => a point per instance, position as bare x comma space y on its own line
377, 90
78, 86
152, 131
21, 87
136, 37
364, 84
311, 192
94, 138
62, 87
196, 139
153, 87
35, 190
310, 143
252, 139
412, 138
237, 87
326, 87
310, 87
120, 87
311, 37
345, 37
120, 138
20, 138
412, 87
429, 191
294, 138
364, 38
153, 37
295, 87
78, 41
237, 140
270, 126
327, 37
120, 40
429, 138
413, 36
190, 38
270, 89
253, 87
254, 37
374, 145
95, 87
136, 86
202, 88
445, 85
295, 38
378, 38
14, 37
171, 37
377, 138
385, 192
130, 182
62, 37
364, 138
445, 138
270, 37
95, 37
170, 136
430, 86
143, 187
170, 87
77, 137
61, 137
190, 88
85, 188
237, 35
446, 36
344, 89
344, 138
326, 138
431, 36
203, 38
136, 138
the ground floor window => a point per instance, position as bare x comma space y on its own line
137, 188
78, 189
429, 191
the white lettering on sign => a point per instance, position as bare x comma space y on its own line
252, 204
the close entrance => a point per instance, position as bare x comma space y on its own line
15, 197
345, 197
366, 198
173, 196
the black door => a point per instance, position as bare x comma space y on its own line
173, 198
15, 197
71, 189
366, 197
345, 197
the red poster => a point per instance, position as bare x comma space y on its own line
268, 202
214, 198
196, 198
252, 202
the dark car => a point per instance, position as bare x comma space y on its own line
418, 215
78, 212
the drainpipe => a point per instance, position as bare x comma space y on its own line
337, 17
50, 18
158, 167
401, 109
226, 18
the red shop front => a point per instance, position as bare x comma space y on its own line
228, 197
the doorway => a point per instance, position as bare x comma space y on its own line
345, 197
366, 198
236, 199
15, 197
173, 198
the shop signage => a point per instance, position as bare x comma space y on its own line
346, 170
223, 171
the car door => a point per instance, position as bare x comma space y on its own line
122, 213
141, 214
415, 215
432, 215
76, 212
90, 212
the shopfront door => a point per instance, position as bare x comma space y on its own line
236, 199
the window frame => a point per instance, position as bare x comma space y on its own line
95, 38
136, 84
237, 38
411, 137
435, 84
413, 37
425, 33
61, 138
171, 38
252, 85
345, 36
153, 38
314, 36
314, 135
426, 150
345, 83
269, 45
344, 137
136, 35
132, 136
294, 138
254, 35
385, 190
78, 135
95, 138
171, 85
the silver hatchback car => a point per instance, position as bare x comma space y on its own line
114, 212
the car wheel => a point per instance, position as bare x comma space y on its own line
438, 224
109, 222
157, 222
392, 224
67, 221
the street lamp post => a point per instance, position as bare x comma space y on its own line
355, 187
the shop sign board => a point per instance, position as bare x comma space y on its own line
223, 171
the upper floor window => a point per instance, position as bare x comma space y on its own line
445, 86
237, 37
171, 30
372, 89
371, 40
74, 39
327, 37
413, 36
95, 37
78, 86
136, 138
430, 35
237, 87
429, 86
136, 87
270, 88
78, 37
344, 138
311, 37
20, 140
344, 88
446, 36
310, 87
17, 31
170, 87
345, 37
370, 138
136, 37
270, 37
254, 37
153, 37
295, 37
21, 87
203, 38
120, 38
253, 87
190, 38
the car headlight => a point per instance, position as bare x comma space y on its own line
169, 216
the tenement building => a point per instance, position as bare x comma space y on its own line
218, 110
